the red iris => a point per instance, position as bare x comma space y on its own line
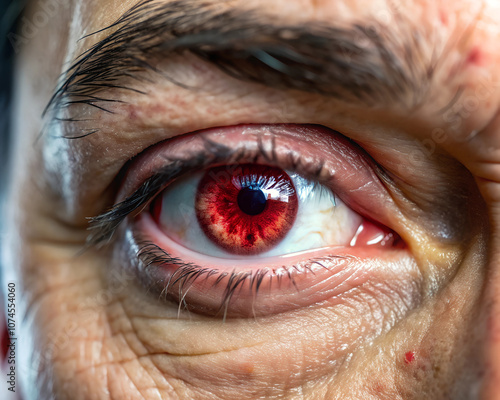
246, 209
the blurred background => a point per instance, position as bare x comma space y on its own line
7, 24
9, 15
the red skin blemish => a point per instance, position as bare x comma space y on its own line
409, 357
474, 56
444, 18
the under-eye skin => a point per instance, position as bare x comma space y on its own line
225, 222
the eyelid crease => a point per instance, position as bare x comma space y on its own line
103, 226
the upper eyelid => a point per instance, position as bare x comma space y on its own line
103, 226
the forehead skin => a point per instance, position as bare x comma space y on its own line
100, 343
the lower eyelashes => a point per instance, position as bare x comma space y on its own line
243, 289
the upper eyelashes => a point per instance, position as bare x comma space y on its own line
103, 226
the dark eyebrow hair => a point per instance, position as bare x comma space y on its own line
362, 62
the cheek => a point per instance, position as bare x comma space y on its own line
307, 346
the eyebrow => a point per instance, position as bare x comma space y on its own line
362, 62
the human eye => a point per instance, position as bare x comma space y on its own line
250, 211
246, 221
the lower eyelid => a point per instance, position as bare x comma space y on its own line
280, 284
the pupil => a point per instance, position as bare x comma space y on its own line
252, 201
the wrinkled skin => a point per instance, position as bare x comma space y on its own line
90, 331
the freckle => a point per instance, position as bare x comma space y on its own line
409, 357
248, 368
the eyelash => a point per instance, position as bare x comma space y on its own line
103, 226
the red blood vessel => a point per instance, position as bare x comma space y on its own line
246, 209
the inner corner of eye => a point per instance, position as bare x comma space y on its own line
253, 209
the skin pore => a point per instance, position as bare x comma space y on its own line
418, 322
